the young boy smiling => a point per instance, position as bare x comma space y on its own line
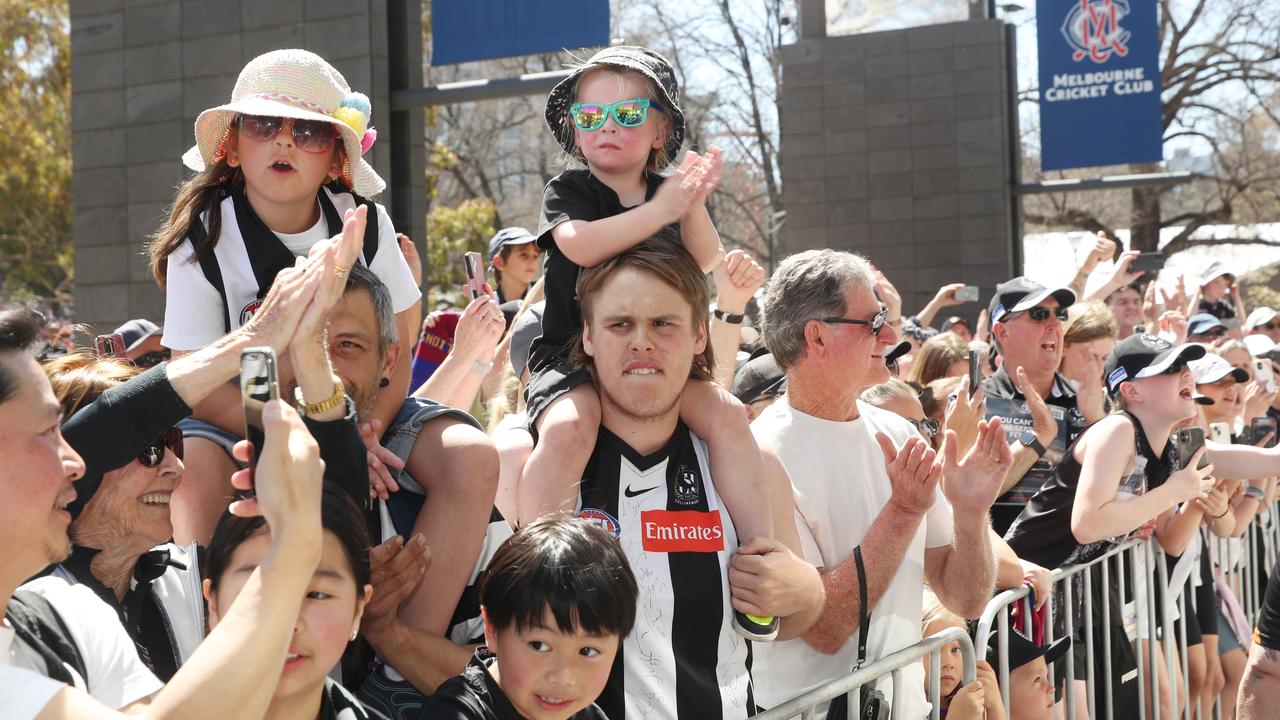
557, 600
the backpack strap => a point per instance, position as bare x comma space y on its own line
39, 625
212, 272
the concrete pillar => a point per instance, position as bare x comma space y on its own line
900, 145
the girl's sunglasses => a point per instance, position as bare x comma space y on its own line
627, 113
153, 454
313, 136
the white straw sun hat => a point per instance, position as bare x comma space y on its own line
294, 84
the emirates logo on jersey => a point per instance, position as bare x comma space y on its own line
681, 531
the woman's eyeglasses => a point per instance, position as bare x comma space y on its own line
313, 136
153, 454
627, 113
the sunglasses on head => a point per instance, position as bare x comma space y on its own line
1040, 314
313, 136
153, 454
875, 323
927, 428
627, 113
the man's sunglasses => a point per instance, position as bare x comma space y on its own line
875, 323
1040, 314
313, 136
1268, 326
627, 113
153, 454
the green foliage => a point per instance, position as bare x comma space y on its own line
35, 91
452, 231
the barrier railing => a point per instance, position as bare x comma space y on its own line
1141, 563
809, 703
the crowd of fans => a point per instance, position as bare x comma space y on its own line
615, 490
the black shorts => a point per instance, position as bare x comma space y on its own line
548, 384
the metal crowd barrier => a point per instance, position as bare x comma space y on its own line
1238, 560
809, 703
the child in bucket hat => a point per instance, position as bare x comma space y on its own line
619, 114
277, 168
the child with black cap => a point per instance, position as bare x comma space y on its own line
619, 114
513, 256
1031, 694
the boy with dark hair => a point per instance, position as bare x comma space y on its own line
557, 600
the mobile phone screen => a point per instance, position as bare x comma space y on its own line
258, 385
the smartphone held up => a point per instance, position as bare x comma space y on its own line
259, 384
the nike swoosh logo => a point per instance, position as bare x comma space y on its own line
629, 493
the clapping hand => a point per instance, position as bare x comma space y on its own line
974, 481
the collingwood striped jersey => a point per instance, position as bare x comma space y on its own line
683, 658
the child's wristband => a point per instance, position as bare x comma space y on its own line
1255, 493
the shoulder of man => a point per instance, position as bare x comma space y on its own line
37, 619
890, 423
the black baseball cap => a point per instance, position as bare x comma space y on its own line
1022, 293
1023, 651
508, 236
1143, 355
758, 378
137, 330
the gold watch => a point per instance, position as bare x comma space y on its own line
337, 398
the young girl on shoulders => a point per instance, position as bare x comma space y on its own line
276, 169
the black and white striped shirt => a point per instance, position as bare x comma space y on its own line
683, 658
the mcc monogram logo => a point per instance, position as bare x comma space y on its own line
1092, 29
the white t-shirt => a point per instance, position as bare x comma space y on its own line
117, 676
194, 315
23, 693
838, 474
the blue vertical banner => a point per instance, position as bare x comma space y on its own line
468, 30
1099, 83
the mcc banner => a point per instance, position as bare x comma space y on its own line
1099, 83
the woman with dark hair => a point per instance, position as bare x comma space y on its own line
331, 609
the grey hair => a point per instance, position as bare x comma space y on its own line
363, 278
808, 286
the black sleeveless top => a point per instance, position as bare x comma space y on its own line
1042, 532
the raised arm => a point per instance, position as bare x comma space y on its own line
1096, 513
240, 661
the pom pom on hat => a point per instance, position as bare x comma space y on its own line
354, 112
366, 142
360, 102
